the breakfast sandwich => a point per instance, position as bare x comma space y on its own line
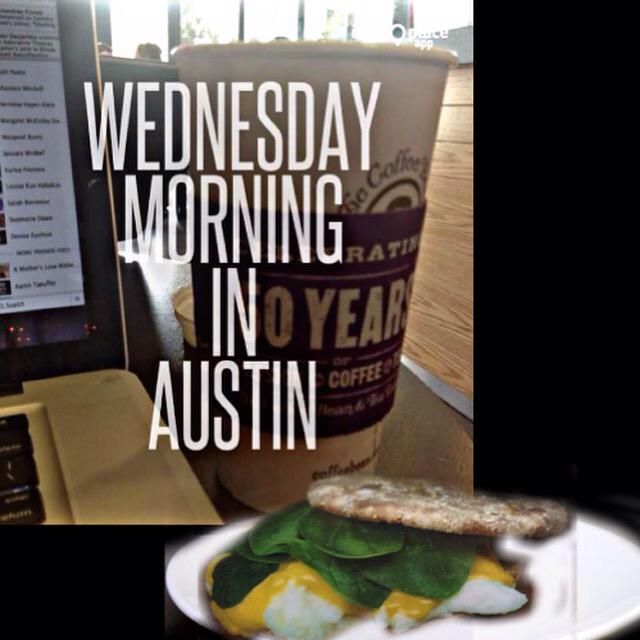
404, 551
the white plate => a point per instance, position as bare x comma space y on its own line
586, 586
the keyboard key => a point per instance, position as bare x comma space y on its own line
19, 421
17, 471
14, 442
21, 506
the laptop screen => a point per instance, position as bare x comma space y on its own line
42, 294
60, 297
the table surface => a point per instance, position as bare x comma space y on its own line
423, 437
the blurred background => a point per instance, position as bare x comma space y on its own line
124, 24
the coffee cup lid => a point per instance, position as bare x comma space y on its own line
382, 51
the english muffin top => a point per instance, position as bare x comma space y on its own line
422, 504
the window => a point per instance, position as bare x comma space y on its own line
362, 20
326, 19
135, 22
266, 20
219, 21
208, 21
372, 20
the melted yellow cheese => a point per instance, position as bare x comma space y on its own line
414, 607
247, 617
418, 608
483, 567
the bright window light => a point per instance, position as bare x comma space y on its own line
209, 21
136, 21
264, 21
372, 20
326, 19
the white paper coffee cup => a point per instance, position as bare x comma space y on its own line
382, 213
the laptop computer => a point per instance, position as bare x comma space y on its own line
74, 423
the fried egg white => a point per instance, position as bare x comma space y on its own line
295, 602
489, 590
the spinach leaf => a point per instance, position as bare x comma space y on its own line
341, 575
273, 534
431, 564
244, 549
349, 538
234, 576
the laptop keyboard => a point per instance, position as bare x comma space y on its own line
20, 499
